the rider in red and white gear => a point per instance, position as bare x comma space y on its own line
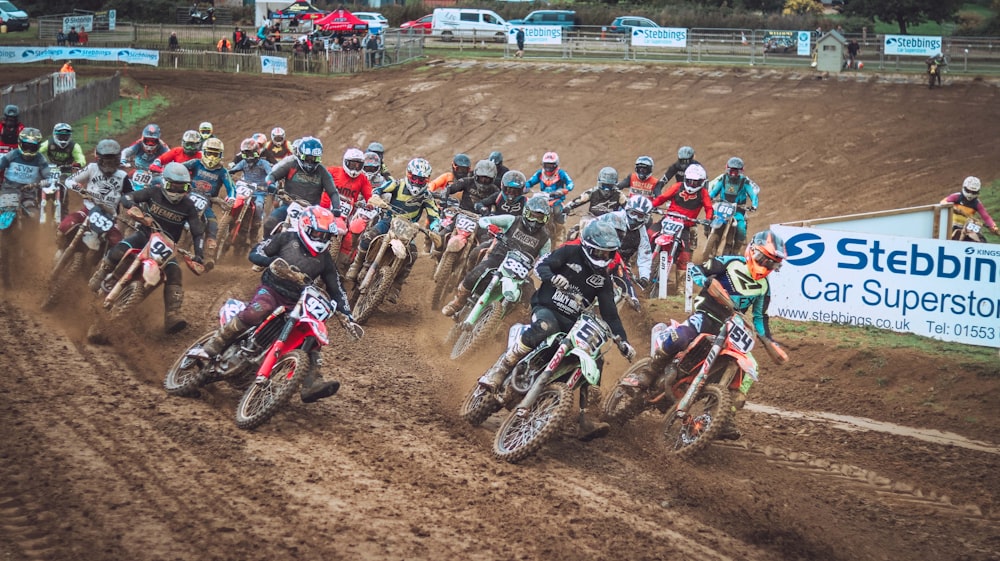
354, 188
688, 198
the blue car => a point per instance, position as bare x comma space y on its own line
624, 24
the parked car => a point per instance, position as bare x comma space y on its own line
473, 23
13, 17
624, 24
376, 21
566, 19
422, 25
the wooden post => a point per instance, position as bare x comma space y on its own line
84, 134
97, 125
109, 119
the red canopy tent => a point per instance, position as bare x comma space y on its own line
340, 20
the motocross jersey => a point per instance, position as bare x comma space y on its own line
288, 246
139, 158
18, 171
636, 243
351, 189
209, 182
410, 206
253, 173
602, 201
745, 292
175, 154
308, 186
106, 188
170, 216
516, 236
63, 157
441, 182
500, 205
472, 191
9, 136
558, 184
686, 203
570, 262
739, 192
274, 153
965, 208
676, 171
648, 187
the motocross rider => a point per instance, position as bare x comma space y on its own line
103, 181
604, 198
62, 151
23, 171
190, 149
166, 203
461, 165
305, 178
630, 225
525, 233
373, 169
555, 183
477, 188
278, 147
581, 269
408, 199
254, 171
641, 181
209, 178
354, 188
745, 279
10, 129
675, 173
688, 198
735, 187
511, 199
143, 152
290, 260
966, 202
497, 158
206, 131
380, 150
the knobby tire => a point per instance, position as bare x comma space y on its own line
713, 405
519, 437
261, 401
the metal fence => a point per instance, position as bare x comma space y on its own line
42, 107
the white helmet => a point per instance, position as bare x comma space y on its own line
354, 160
694, 178
971, 187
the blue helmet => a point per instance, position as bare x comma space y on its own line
309, 153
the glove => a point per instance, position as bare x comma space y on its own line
555, 195
644, 283
560, 282
49, 190
752, 209
627, 350
272, 188
353, 329
634, 302
434, 224
494, 229
125, 164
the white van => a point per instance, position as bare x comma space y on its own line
13, 17
469, 23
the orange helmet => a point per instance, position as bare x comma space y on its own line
764, 254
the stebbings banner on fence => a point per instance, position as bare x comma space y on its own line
536, 35
273, 65
937, 288
79, 22
37, 54
916, 45
660, 37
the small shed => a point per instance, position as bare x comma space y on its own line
830, 52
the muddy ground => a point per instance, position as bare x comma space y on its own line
97, 462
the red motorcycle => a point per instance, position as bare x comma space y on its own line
667, 245
240, 228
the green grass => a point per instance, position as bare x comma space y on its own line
126, 113
934, 28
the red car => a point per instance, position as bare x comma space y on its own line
419, 25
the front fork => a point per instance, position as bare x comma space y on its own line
276, 350
542, 380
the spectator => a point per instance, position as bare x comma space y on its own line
67, 68
519, 37
61, 38
83, 37
172, 43
371, 46
853, 48
72, 37
237, 37
224, 46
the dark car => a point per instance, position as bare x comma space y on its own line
566, 19
624, 24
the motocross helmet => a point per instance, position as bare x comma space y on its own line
734, 167
684, 155
643, 167
150, 138
512, 185
176, 182
372, 165
260, 139
536, 213
308, 153
205, 130
109, 154
460, 166
607, 178
600, 243
377, 148
316, 227
191, 143
486, 172
278, 136
250, 150
11, 112
971, 187
617, 221
354, 162
211, 153
764, 254
694, 178
550, 163
29, 141
637, 211
418, 171
496, 157
62, 133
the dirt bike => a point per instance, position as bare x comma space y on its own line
360, 220
199, 17
140, 178
495, 294
386, 257
268, 361
88, 242
54, 193
968, 229
701, 387
722, 230
140, 270
459, 243
667, 245
539, 389
241, 225
17, 204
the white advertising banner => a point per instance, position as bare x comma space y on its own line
273, 65
660, 37
37, 54
936, 288
804, 44
916, 45
79, 22
536, 35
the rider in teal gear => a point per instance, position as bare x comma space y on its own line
735, 187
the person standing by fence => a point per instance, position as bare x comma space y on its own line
371, 49
73, 38
519, 37
173, 44
83, 37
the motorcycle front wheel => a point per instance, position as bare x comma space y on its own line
262, 400
469, 339
442, 278
707, 415
624, 402
128, 299
372, 297
479, 404
67, 268
186, 375
521, 436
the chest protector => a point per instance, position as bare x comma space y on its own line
60, 156
519, 238
642, 187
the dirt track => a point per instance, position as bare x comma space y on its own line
98, 463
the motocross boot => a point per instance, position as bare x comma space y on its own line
457, 303
495, 375
224, 336
211, 247
590, 429
355, 268
173, 297
729, 430
103, 270
314, 388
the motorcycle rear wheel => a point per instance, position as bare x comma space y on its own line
712, 245
261, 401
519, 437
442, 277
624, 402
67, 267
479, 404
472, 338
710, 411
130, 297
369, 301
185, 376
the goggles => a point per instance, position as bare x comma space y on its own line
354, 165
602, 254
643, 168
636, 215
537, 217
371, 169
513, 191
29, 148
277, 139
734, 172
310, 159
418, 181
549, 168
190, 147
694, 182
765, 261
150, 141
969, 194
250, 154
319, 235
63, 135
177, 187
212, 153
461, 170
484, 180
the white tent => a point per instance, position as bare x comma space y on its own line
262, 6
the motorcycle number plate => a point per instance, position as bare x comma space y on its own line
295, 211
466, 223
8, 200
99, 222
740, 339
142, 177
244, 191
160, 249
590, 336
201, 202
318, 307
515, 267
725, 210
970, 227
346, 208
671, 227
